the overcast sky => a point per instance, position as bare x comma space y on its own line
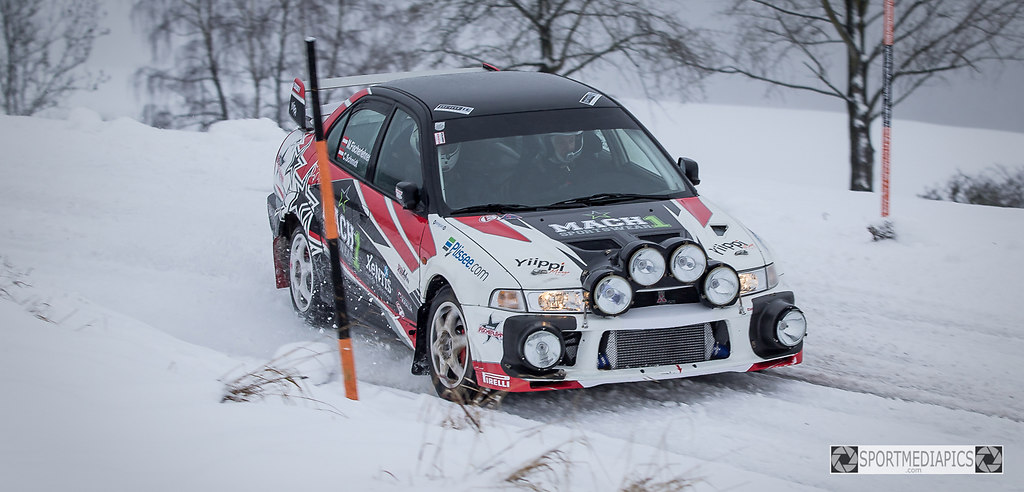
995, 100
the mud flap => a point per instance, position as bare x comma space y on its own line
420, 359
280, 248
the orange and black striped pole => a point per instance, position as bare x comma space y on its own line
327, 199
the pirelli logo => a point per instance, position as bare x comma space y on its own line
498, 380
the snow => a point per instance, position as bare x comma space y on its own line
136, 283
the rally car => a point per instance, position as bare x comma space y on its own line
523, 231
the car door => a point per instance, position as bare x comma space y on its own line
400, 160
352, 144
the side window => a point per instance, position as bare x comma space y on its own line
334, 134
399, 158
356, 143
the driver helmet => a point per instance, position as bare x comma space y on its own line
566, 146
448, 155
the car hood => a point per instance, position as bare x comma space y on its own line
554, 248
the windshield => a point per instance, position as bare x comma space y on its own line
550, 159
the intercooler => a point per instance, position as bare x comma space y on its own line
627, 349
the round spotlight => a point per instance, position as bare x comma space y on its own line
689, 262
542, 349
791, 327
721, 285
612, 295
646, 266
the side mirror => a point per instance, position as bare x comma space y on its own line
408, 194
689, 167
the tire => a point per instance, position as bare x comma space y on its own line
451, 366
305, 280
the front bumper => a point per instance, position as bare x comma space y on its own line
650, 343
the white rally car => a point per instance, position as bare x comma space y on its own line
522, 232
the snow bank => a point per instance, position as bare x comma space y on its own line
138, 279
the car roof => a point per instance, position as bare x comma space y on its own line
484, 93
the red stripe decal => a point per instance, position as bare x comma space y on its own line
697, 209
341, 109
415, 228
490, 375
311, 171
493, 227
316, 237
788, 361
379, 209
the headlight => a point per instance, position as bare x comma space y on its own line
688, 262
721, 287
758, 280
542, 349
612, 295
558, 301
791, 327
646, 266
508, 299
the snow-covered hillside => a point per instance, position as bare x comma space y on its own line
136, 280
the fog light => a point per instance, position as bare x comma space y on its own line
688, 262
646, 266
612, 295
721, 287
542, 349
791, 327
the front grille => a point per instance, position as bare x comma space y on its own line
628, 349
572, 346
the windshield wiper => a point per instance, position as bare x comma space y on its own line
493, 207
605, 198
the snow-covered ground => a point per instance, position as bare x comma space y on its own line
136, 282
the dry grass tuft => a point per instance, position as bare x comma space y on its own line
13, 281
273, 381
266, 381
650, 484
884, 230
551, 467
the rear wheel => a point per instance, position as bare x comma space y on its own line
304, 279
451, 367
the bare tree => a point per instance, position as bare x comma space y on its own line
197, 34
364, 37
834, 48
254, 31
43, 49
567, 37
237, 58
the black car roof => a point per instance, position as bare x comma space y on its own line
484, 93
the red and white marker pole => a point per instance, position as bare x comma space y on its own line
887, 41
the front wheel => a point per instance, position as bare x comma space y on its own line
451, 367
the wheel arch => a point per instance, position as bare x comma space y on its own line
419, 357
287, 225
